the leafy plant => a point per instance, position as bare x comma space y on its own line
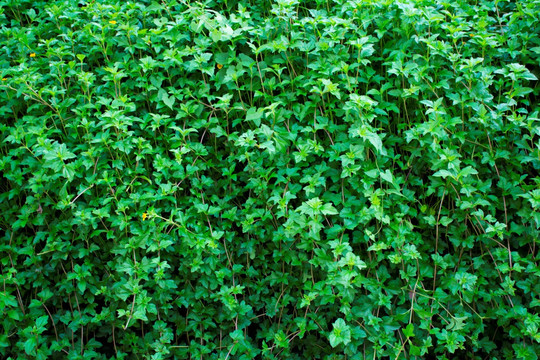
279, 179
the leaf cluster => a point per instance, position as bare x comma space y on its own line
283, 179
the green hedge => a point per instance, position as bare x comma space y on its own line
283, 179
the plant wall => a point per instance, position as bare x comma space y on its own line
329, 179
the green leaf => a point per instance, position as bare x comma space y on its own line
328, 209
254, 115
409, 331
168, 100
387, 176
341, 333
42, 321
30, 345
444, 174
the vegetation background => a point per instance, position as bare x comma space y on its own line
328, 179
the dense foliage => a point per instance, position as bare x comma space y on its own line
285, 179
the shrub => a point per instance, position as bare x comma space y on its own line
270, 180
